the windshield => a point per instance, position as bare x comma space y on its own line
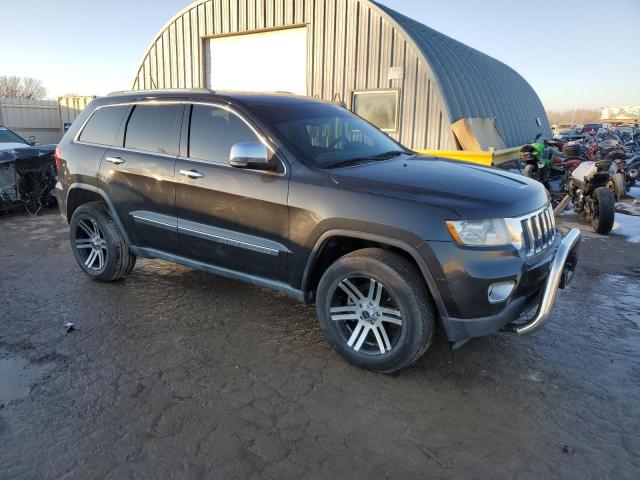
327, 135
7, 136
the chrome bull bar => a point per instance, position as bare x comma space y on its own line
560, 275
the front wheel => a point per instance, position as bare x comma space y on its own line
604, 211
375, 310
531, 171
618, 186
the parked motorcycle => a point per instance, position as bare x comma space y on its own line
551, 163
535, 166
592, 199
624, 174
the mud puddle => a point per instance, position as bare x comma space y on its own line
17, 375
620, 294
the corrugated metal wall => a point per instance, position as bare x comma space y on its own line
72, 106
352, 46
40, 118
43, 119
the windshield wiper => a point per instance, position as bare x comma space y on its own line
373, 158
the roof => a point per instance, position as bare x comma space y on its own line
246, 98
475, 85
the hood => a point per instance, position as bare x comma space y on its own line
11, 146
25, 152
471, 191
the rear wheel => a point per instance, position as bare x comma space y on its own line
97, 245
375, 311
604, 211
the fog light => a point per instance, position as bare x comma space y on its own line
499, 292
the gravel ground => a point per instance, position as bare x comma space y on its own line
175, 373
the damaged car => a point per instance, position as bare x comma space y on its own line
27, 173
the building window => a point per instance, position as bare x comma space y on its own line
379, 107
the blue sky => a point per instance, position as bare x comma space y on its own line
578, 54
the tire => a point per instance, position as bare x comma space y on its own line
397, 323
92, 229
619, 186
604, 211
529, 172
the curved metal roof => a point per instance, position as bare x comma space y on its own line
475, 85
444, 79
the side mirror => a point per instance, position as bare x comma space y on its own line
32, 140
249, 155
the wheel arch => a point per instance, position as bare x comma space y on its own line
350, 240
80, 193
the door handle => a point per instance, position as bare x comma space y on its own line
192, 173
115, 160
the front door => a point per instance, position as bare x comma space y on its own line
138, 177
229, 217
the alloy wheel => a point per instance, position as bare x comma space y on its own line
91, 244
369, 323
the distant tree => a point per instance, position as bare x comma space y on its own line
579, 116
21, 87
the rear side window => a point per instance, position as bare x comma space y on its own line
154, 128
103, 126
214, 131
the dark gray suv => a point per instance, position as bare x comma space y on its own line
304, 197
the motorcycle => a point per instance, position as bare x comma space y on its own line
624, 174
592, 199
534, 166
551, 163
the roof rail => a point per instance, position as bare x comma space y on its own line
161, 90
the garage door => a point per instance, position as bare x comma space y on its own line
258, 62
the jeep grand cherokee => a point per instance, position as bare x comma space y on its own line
304, 197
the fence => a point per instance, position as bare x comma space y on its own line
46, 120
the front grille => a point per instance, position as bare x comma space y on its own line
539, 231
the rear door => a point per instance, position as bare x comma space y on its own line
138, 176
229, 217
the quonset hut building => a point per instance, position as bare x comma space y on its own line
411, 81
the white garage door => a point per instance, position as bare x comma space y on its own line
258, 62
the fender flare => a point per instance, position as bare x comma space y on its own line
107, 200
392, 242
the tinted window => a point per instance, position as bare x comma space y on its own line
214, 131
154, 128
103, 126
325, 134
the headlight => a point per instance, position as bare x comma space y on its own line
487, 233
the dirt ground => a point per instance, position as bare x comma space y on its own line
175, 373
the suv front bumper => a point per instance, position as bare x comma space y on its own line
562, 267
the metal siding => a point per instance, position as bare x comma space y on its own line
329, 43
208, 23
352, 45
475, 85
71, 106
40, 118
340, 54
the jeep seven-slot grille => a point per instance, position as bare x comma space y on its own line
539, 231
